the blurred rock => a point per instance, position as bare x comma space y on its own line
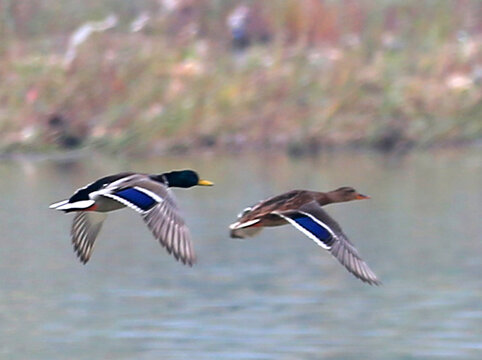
59, 132
393, 140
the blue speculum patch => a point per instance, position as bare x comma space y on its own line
136, 197
313, 227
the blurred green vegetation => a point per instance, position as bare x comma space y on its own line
386, 74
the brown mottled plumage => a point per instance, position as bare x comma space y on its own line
302, 209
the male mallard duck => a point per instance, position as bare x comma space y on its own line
302, 209
149, 195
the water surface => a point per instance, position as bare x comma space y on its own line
276, 296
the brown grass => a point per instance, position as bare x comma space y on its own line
390, 76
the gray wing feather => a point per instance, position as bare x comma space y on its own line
167, 225
171, 231
85, 228
342, 249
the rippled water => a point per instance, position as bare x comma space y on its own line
276, 296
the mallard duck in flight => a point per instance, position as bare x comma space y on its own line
302, 209
149, 195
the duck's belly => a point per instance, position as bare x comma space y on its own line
104, 204
272, 220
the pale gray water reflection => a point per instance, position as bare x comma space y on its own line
276, 296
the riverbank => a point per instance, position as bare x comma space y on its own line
392, 90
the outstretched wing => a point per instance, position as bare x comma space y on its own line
158, 209
85, 228
169, 228
315, 223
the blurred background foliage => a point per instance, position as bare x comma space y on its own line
157, 76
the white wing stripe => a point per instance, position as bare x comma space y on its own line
83, 204
149, 193
306, 232
125, 202
238, 225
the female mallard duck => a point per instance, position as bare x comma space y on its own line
302, 209
149, 195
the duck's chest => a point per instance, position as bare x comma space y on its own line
104, 204
271, 220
